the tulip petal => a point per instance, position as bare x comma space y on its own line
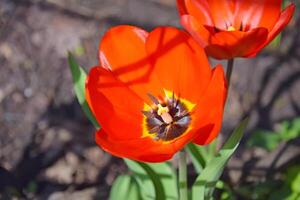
283, 20
238, 43
122, 50
210, 108
221, 12
257, 13
198, 9
179, 62
143, 149
122, 46
114, 105
135, 149
198, 31
218, 51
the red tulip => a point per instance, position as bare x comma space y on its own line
234, 28
153, 93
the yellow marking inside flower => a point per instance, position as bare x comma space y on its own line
190, 106
146, 133
231, 28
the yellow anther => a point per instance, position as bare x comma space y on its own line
231, 28
161, 109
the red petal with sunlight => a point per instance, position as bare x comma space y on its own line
198, 31
122, 50
198, 9
143, 149
210, 108
221, 12
107, 98
176, 58
284, 19
238, 43
257, 13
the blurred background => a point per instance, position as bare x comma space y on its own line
47, 148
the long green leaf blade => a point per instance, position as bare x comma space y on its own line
79, 78
198, 155
157, 181
125, 186
206, 181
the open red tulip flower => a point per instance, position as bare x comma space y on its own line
234, 28
153, 93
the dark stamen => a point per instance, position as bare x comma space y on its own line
153, 99
177, 111
177, 102
147, 113
173, 98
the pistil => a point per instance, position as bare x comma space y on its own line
231, 28
163, 112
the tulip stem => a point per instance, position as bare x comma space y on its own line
230, 64
183, 192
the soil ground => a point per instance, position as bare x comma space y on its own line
47, 146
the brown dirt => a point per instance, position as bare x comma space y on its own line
46, 143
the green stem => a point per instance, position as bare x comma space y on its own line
230, 64
183, 193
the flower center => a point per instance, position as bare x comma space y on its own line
167, 119
231, 28
244, 27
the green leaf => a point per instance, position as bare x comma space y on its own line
206, 181
212, 149
198, 155
79, 50
125, 187
156, 180
226, 191
275, 44
31, 187
79, 78
293, 178
290, 129
270, 140
267, 140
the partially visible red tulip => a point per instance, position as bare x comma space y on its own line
234, 28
